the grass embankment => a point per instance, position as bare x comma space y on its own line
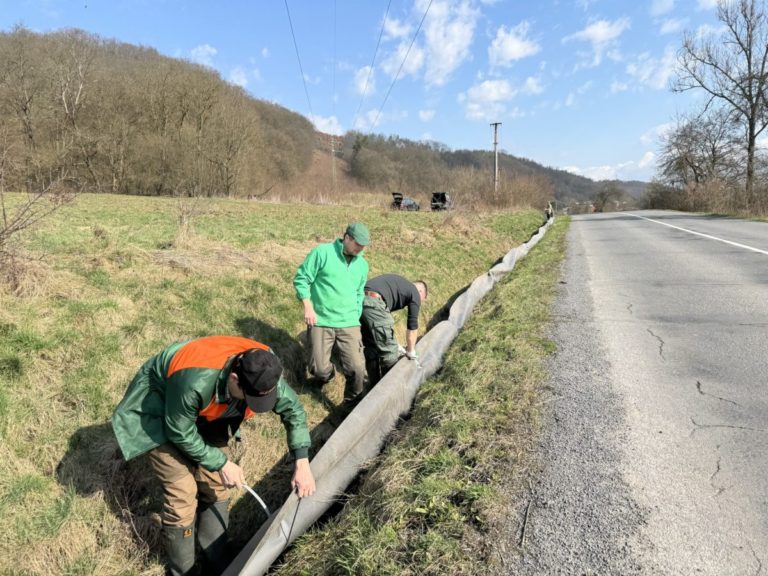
120, 280
436, 498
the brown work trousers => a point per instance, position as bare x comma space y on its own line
349, 343
184, 482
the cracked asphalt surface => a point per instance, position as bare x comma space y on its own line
654, 454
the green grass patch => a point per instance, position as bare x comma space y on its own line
430, 502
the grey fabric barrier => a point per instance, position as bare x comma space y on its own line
361, 435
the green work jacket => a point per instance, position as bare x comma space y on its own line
188, 381
334, 285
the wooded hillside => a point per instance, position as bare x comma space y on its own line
421, 167
98, 115
104, 116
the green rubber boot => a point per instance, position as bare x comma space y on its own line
180, 548
212, 524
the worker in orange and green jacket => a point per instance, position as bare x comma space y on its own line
181, 408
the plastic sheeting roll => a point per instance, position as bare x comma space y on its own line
363, 432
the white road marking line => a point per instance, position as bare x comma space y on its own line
700, 234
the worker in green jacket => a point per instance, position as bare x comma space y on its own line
181, 408
329, 284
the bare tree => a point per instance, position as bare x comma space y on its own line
229, 134
733, 70
72, 57
23, 211
608, 193
22, 90
700, 149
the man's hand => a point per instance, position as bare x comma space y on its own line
310, 318
232, 475
303, 481
400, 350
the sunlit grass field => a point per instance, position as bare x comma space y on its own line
109, 281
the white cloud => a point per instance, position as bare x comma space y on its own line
672, 25
487, 100
706, 30
570, 100
254, 73
594, 172
654, 72
426, 115
660, 7
203, 54
365, 121
617, 87
647, 161
239, 77
371, 119
411, 65
329, 125
707, 4
394, 29
511, 45
448, 32
629, 170
603, 36
653, 135
443, 43
533, 85
365, 81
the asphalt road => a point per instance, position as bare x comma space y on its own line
654, 455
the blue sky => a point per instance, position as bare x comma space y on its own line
581, 85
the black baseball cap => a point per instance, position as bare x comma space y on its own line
258, 372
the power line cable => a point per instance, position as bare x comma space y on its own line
333, 101
301, 69
333, 75
402, 63
370, 70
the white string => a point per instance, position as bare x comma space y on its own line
259, 500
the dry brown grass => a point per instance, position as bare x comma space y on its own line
318, 186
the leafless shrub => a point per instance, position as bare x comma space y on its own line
20, 212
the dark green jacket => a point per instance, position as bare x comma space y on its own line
334, 285
186, 382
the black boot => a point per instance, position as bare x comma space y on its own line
180, 548
212, 524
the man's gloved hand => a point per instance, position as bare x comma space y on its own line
400, 351
412, 355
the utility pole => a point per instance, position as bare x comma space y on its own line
496, 156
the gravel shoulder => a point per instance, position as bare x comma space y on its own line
579, 516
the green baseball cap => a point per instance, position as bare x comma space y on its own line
359, 232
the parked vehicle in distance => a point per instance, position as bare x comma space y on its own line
400, 202
441, 201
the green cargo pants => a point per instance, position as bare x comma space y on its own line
379, 343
